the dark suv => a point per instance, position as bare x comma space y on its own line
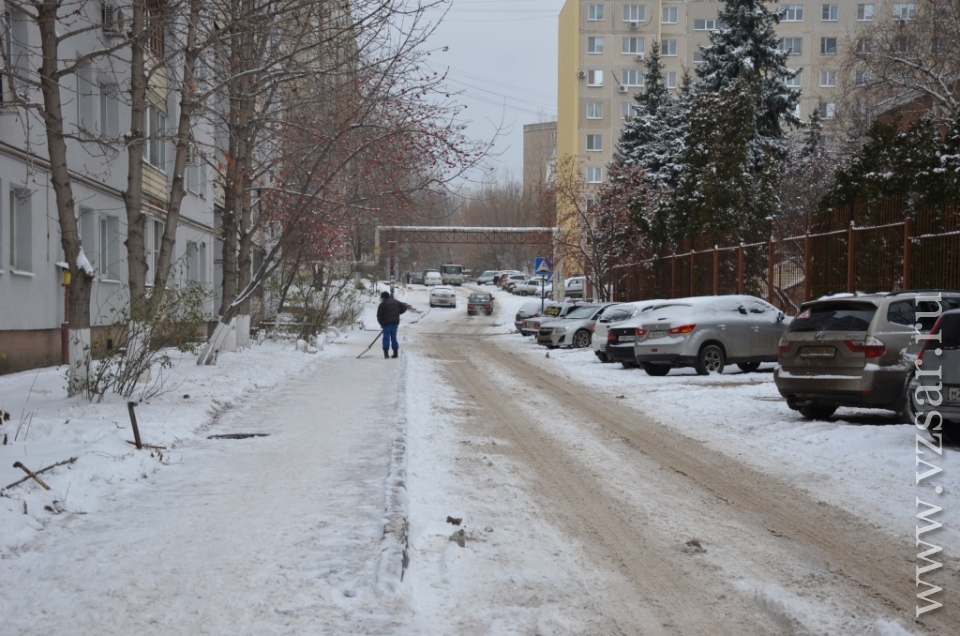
856, 350
935, 394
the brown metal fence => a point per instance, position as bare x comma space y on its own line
866, 248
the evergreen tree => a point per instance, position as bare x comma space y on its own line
645, 123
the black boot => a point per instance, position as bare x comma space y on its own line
396, 353
386, 354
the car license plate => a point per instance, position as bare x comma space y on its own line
953, 393
818, 352
657, 334
626, 338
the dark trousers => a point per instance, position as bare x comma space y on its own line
390, 337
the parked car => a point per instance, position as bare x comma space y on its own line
940, 355
480, 302
432, 277
574, 329
855, 350
573, 287
614, 316
443, 295
707, 332
510, 281
502, 274
416, 277
534, 287
486, 278
551, 311
527, 310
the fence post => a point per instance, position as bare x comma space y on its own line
771, 252
907, 251
807, 267
716, 270
740, 263
851, 259
673, 276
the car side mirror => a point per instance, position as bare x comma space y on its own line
780, 316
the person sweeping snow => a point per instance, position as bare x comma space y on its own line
388, 315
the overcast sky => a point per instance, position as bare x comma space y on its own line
503, 60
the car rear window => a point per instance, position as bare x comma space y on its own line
949, 331
904, 312
582, 312
838, 316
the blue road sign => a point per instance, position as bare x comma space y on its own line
543, 266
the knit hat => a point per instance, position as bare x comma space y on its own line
385, 295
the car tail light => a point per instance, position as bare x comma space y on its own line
784, 348
611, 337
683, 329
641, 332
486, 306
870, 348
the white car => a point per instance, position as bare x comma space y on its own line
613, 317
534, 287
432, 277
573, 287
443, 296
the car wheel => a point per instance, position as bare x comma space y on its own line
748, 367
710, 360
907, 411
656, 370
581, 339
628, 365
817, 411
603, 358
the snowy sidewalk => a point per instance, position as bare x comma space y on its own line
278, 534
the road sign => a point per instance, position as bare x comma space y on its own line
543, 266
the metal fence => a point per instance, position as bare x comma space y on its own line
864, 248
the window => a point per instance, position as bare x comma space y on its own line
594, 110
861, 78
796, 81
828, 78
865, 12
109, 247
155, 147
109, 110
595, 78
670, 79
594, 142
697, 56
594, 174
792, 12
152, 239
793, 45
632, 46
86, 96
864, 46
796, 111
905, 11
704, 25
670, 15
634, 13
941, 45
828, 46
196, 173
827, 111
154, 27
595, 45
830, 12
631, 78
669, 48
904, 44
941, 12
627, 110
193, 262
21, 230
595, 13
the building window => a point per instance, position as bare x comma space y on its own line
828, 46
796, 111
155, 146
792, 12
670, 15
634, 13
632, 46
627, 110
861, 78
595, 45
697, 56
704, 25
595, 13
21, 230
594, 174
631, 78
830, 12
670, 79
196, 173
669, 48
594, 143
796, 81
864, 46
193, 262
109, 110
828, 78
793, 45
109, 247
865, 13
904, 44
905, 11
152, 239
595, 78
941, 12
594, 110
827, 111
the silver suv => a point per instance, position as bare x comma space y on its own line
855, 350
935, 394
572, 330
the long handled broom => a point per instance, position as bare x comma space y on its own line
372, 343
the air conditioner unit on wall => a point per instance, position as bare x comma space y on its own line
581, 73
623, 89
639, 57
112, 19
634, 25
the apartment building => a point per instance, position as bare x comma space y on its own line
539, 155
602, 46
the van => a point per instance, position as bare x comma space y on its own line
452, 274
